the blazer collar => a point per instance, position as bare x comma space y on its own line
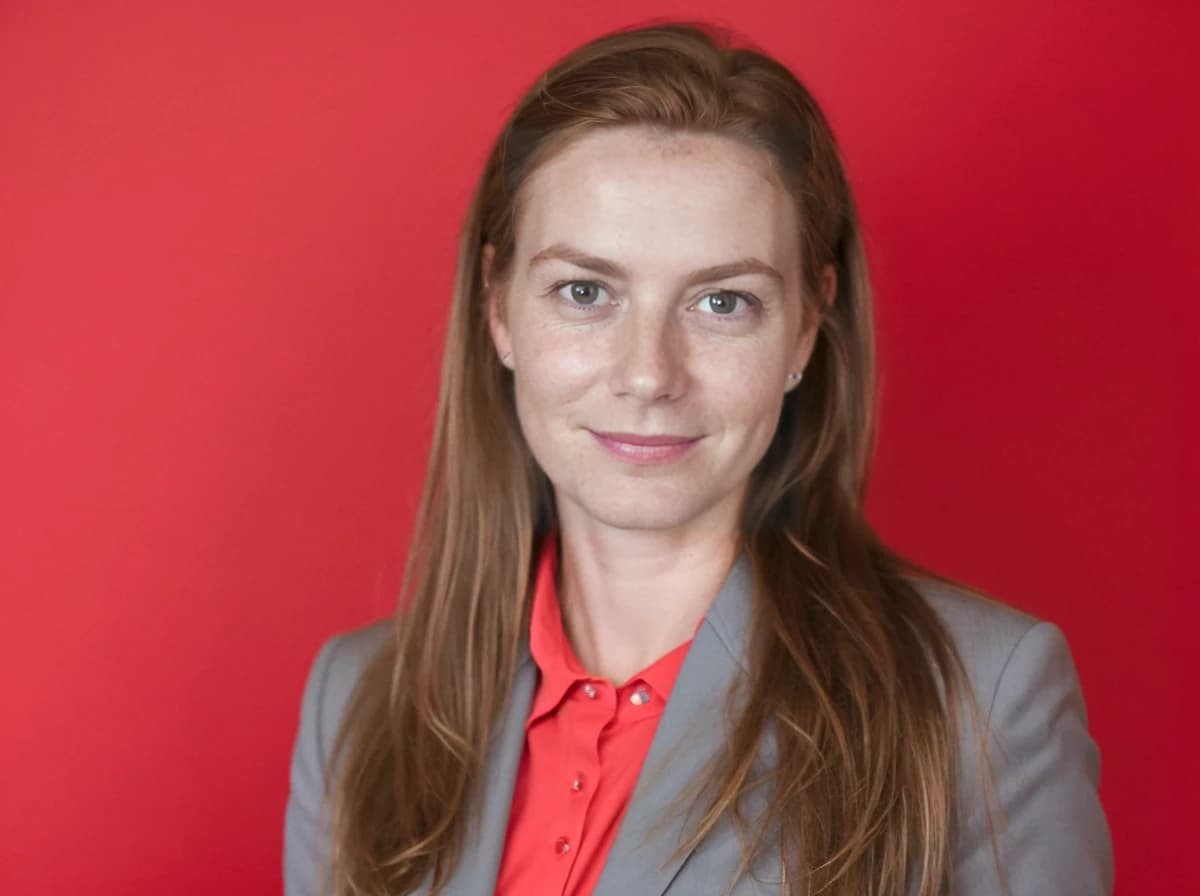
689, 734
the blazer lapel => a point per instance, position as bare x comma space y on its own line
689, 734
480, 863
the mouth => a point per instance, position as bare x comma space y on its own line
645, 448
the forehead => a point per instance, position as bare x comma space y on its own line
659, 201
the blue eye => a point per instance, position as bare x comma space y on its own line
582, 293
727, 301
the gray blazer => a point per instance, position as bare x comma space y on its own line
1047, 765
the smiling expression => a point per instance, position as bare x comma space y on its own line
654, 297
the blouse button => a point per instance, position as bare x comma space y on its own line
577, 783
640, 696
589, 690
562, 846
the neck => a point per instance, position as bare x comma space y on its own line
630, 596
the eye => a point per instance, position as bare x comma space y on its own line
580, 293
723, 303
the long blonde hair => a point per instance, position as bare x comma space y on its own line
851, 668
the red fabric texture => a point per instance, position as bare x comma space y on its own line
582, 755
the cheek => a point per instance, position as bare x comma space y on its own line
745, 387
556, 366
550, 381
749, 408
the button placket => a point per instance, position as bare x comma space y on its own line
595, 709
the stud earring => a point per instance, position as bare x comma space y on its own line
504, 359
793, 379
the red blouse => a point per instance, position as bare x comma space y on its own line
585, 741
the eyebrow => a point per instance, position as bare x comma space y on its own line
578, 257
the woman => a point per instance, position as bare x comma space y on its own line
648, 642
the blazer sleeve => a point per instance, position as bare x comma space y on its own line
1053, 836
306, 820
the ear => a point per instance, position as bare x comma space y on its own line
809, 327
829, 285
494, 307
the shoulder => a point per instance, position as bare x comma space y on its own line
332, 677
347, 653
334, 674
1042, 762
985, 631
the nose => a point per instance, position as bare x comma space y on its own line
649, 355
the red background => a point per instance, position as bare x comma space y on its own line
227, 236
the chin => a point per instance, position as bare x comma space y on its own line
639, 507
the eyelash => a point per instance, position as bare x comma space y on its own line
744, 296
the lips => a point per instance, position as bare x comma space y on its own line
632, 438
645, 448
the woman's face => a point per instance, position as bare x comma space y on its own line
655, 291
